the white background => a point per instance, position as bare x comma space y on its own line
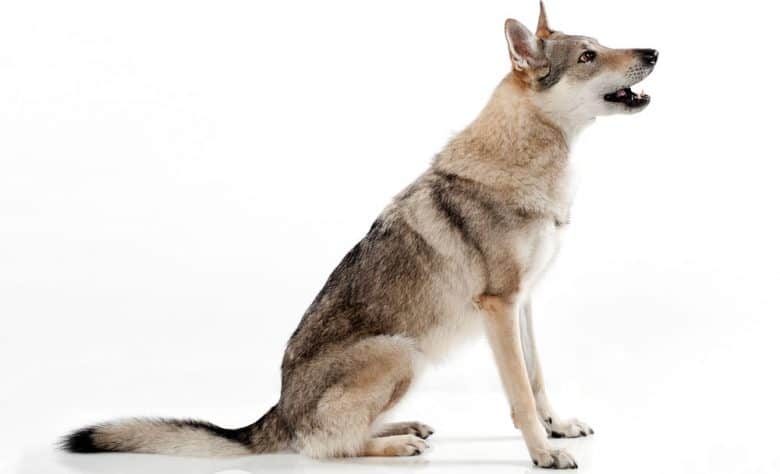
177, 179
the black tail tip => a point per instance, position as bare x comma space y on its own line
81, 441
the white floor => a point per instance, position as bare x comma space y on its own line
473, 434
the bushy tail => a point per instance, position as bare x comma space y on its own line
180, 437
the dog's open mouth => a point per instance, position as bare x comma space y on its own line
628, 97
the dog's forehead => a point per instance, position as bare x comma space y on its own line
562, 40
559, 51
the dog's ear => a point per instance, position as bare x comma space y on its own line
543, 30
525, 50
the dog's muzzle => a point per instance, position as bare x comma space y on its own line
642, 69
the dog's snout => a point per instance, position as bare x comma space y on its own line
649, 56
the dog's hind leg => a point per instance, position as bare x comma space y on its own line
416, 428
381, 369
556, 428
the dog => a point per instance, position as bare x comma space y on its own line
457, 252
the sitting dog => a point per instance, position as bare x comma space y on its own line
458, 251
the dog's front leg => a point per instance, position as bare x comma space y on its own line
557, 428
502, 327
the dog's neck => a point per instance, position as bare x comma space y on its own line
514, 147
570, 118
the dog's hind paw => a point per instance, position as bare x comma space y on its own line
553, 459
397, 445
572, 428
421, 430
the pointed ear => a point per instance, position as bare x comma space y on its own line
525, 49
543, 30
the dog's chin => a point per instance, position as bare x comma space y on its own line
627, 101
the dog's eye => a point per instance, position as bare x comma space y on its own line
587, 56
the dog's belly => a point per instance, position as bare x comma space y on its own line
461, 322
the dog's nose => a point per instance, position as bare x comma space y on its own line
649, 56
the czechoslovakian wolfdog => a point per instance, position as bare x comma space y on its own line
458, 251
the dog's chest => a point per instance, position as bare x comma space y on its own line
539, 242
537, 247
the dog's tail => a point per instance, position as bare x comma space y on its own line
181, 437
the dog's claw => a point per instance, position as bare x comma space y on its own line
572, 428
554, 459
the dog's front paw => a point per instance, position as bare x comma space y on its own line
571, 428
550, 458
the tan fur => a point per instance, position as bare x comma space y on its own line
503, 335
513, 148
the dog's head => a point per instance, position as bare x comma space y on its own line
575, 75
